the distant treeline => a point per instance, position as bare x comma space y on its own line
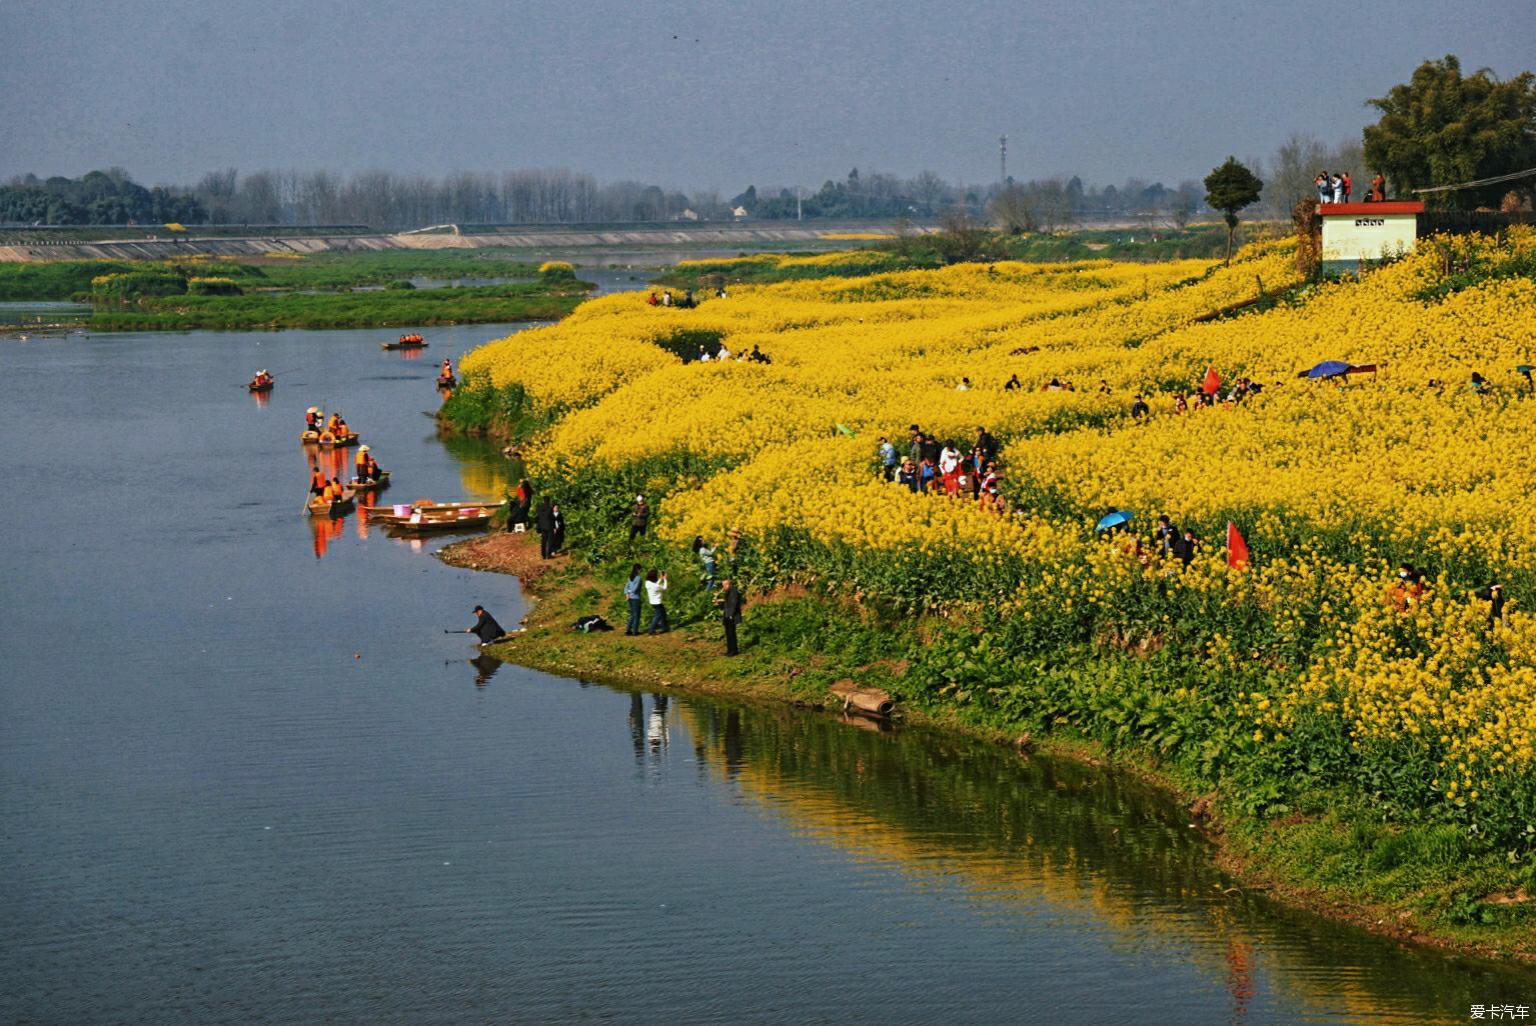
386, 200
542, 196
101, 197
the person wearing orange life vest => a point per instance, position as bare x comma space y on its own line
366, 468
340, 430
317, 482
447, 371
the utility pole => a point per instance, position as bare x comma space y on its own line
1002, 149
799, 211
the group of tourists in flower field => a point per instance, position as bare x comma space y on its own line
934, 467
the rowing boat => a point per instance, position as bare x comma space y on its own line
330, 441
398, 512
402, 345
310, 438
319, 507
264, 386
376, 485
423, 520
447, 382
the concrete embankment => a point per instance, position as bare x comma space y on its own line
756, 235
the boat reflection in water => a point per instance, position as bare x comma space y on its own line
324, 530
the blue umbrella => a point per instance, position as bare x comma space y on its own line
1109, 521
1328, 369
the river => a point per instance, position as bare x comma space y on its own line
246, 776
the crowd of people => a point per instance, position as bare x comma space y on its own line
1337, 187
684, 302
723, 353
932, 467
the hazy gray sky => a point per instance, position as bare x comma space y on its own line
710, 92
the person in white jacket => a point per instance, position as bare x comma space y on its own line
655, 594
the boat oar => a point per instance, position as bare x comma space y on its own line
447, 631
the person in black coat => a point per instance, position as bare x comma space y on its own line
730, 614
986, 443
556, 530
486, 628
1184, 548
544, 523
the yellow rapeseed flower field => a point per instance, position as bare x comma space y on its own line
1333, 482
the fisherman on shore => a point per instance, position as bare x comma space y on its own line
486, 628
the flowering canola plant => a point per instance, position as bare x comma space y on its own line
1314, 668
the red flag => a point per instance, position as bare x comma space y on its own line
1237, 549
1212, 381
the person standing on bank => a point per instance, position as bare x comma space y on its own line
730, 614
544, 523
656, 595
639, 518
632, 597
557, 530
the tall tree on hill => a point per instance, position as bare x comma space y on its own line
1442, 128
1230, 188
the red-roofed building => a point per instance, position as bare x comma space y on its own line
1356, 233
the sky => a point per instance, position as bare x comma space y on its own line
711, 93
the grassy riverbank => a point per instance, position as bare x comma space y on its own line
325, 290
490, 304
1363, 737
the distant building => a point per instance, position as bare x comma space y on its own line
1358, 232
739, 213
688, 215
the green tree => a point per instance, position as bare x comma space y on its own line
1230, 188
1442, 128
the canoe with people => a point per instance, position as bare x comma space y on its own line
406, 342
333, 433
330, 499
445, 375
366, 475
261, 381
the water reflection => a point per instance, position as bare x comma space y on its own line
485, 668
649, 734
1037, 832
324, 530
262, 399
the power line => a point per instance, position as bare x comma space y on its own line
1483, 181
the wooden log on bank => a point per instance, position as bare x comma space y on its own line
865, 701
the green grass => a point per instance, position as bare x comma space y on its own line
489, 304
66, 279
1200, 241
379, 267
55, 279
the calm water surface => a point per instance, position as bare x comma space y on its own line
246, 777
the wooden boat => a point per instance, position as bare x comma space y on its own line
318, 507
393, 513
265, 386
447, 382
310, 438
377, 485
414, 342
330, 441
429, 519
